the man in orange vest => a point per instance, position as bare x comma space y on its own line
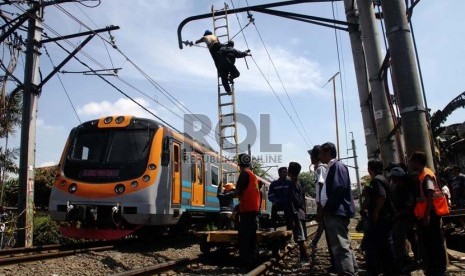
429, 224
249, 205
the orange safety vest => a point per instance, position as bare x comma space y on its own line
249, 200
439, 201
421, 177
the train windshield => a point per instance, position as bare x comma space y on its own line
102, 155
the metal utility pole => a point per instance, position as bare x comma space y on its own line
374, 61
28, 127
405, 75
362, 78
333, 78
357, 173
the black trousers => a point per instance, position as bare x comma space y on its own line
226, 72
248, 237
433, 249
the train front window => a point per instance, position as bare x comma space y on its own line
109, 155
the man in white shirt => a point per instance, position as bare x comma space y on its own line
320, 175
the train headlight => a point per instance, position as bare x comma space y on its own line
119, 189
146, 178
63, 183
119, 119
152, 166
72, 188
107, 120
134, 184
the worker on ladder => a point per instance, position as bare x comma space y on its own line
225, 64
212, 42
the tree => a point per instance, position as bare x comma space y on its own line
260, 169
10, 117
365, 180
308, 184
44, 178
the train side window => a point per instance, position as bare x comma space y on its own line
200, 171
231, 177
193, 172
214, 175
176, 158
225, 177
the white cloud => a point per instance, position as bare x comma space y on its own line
42, 125
120, 107
47, 164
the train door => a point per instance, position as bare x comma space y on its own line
198, 180
176, 173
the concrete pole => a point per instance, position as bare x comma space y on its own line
28, 130
374, 61
362, 78
357, 173
405, 75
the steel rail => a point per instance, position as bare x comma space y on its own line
264, 267
154, 269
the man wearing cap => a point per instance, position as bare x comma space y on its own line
379, 244
403, 201
227, 55
226, 200
320, 174
212, 42
249, 204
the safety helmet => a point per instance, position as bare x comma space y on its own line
229, 187
207, 32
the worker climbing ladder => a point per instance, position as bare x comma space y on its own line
227, 118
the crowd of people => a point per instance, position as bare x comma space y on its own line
400, 212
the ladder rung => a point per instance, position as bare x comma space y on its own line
219, 17
229, 148
222, 26
229, 136
222, 35
225, 93
225, 126
228, 114
225, 104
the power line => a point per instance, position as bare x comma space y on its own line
287, 94
340, 78
156, 85
62, 85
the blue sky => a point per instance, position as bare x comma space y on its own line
305, 57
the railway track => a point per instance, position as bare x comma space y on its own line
30, 254
159, 268
266, 266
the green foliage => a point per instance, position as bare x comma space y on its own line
42, 187
365, 180
47, 231
259, 169
308, 184
10, 192
10, 117
43, 184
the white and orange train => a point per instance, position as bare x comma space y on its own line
121, 174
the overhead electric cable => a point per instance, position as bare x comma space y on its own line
62, 85
340, 79
305, 138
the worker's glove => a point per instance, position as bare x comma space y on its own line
248, 52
